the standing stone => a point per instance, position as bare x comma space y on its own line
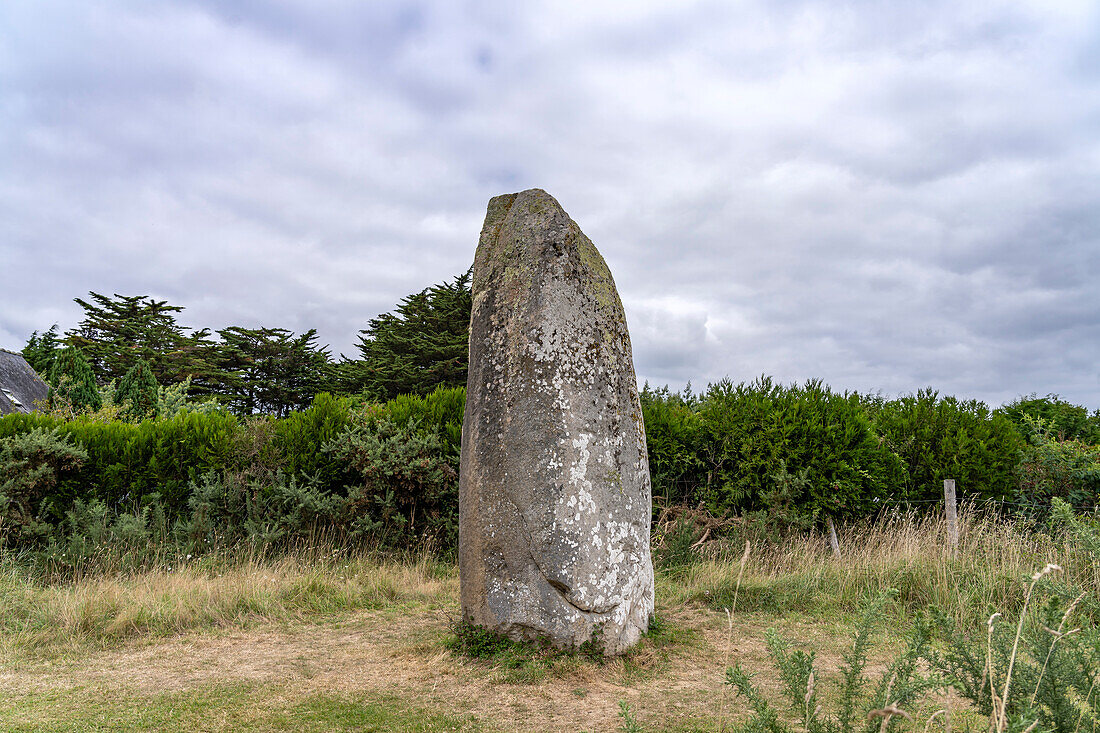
554, 493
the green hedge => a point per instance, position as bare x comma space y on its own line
796, 452
759, 435
127, 462
942, 437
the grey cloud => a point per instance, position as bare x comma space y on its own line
882, 196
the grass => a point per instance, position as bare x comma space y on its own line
529, 662
319, 639
905, 552
211, 592
220, 707
797, 575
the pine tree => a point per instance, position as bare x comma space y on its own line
41, 350
270, 370
72, 379
137, 392
421, 345
116, 332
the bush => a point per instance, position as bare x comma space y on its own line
437, 413
673, 438
31, 464
756, 434
861, 704
1037, 672
940, 438
225, 510
1065, 420
126, 462
299, 438
407, 490
1051, 468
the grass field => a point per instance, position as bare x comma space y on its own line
324, 640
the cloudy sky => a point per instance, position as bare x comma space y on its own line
883, 195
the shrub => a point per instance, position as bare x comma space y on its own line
225, 510
677, 549
31, 464
1039, 672
73, 381
940, 438
862, 704
407, 487
437, 413
299, 439
1065, 420
1052, 468
127, 462
754, 434
673, 438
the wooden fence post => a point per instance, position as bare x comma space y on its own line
952, 515
832, 538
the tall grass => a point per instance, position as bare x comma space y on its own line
217, 590
119, 592
905, 551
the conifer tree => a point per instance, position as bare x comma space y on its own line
137, 392
270, 370
71, 377
41, 350
117, 331
421, 345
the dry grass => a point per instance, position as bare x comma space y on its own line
343, 629
210, 593
905, 552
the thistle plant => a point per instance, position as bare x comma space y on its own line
864, 704
1039, 674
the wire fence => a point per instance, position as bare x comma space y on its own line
684, 491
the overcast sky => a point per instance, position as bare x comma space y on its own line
882, 195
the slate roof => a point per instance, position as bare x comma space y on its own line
20, 386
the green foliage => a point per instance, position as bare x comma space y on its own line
174, 399
31, 464
630, 723
407, 489
299, 440
1053, 468
754, 433
224, 510
1079, 534
41, 350
674, 432
941, 437
437, 413
126, 462
1048, 663
1064, 420
118, 331
477, 642
91, 528
269, 370
73, 381
862, 704
137, 394
781, 512
421, 345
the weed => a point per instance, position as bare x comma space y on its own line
630, 724
899, 685
1042, 670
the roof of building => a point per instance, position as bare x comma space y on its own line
20, 386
